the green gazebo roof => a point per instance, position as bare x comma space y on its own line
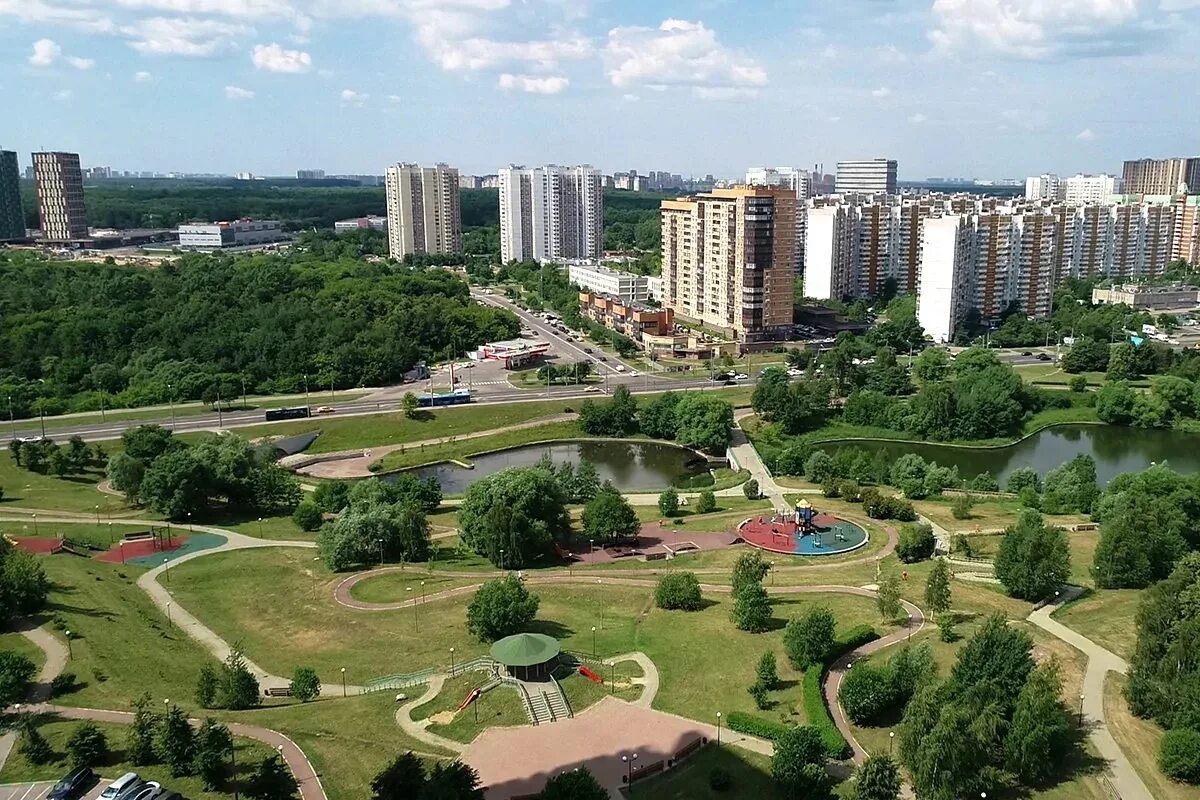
525, 649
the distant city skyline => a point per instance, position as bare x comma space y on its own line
984, 88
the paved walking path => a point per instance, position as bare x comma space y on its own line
417, 730
746, 457
1128, 783
649, 680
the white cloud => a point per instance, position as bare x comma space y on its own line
1085, 135
238, 93
632, 98
80, 63
1036, 29
395, 98
353, 98
45, 53
677, 53
246, 9
550, 84
882, 91
63, 94
829, 51
42, 12
722, 92
918, 118
179, 36
273, 58
142, 77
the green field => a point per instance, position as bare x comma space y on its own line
396, 587
57, 731
72, 493
499, 707
11, 642
1139, 740
1106, 616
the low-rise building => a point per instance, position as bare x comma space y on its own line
628, 286
632, 319
1150, 298
238, 233
361, 223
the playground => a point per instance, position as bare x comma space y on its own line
803, 532
654, 542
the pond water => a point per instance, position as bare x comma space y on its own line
631, 466
1116, 449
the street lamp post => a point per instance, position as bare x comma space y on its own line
35, 526
12, 423
343, 681
451, 662
1081, 710
306, 403
379, 542
70, 650
629, 762
110, 535
190, 528
169, 620
260, 528
718, 729
167, 571
422, 592
891, 739
97, 513
171, 400
593, 641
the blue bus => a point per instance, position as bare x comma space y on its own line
454, 398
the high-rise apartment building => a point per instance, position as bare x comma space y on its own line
1161, 176
791, 177
1186, 243
310, 174
60, 196
728, 260
1032, 285
875, 176
1079, 190
946, 264
551, 213
12, 216
423, 213
1044, 187
829, 251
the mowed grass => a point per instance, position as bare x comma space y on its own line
463, 450
57, 730
1082, 545
122, 645
396, 587
347, 740
78, 493
12, 642
1107, 617
500, 706
1139, 740
749, 777
987, 514
582, 692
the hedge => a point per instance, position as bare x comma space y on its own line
755, 726
852, 638
836, 746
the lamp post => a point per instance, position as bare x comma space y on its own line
167, 571
422, 592
171, 399
121, 544
97, 513
416, 622
260, 528
70, 650
629, 762
169, 620
379, 542
718, 729
110, 535
502, 558
12, 424
772, 573
593, 641
306, 403
190, 528
891, 739
451, 662
35, 526
343, 681
1081, 710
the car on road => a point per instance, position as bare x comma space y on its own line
73, 785
587, 350
117, 787
731, 382
741, 376
633, 373
602, 358
325, 409
1027, 353
720, 376
1043, 356
620, 367
795, 373
592, 389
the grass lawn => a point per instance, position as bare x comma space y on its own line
122, 645
501, 706
689, 518
90, 534
1082, 545
16, 643
1139, 740
582, 692
58, 730
394, 587
463, 450
988, 514
348, 741
72, 493
749, 774
1106, 616
275, 528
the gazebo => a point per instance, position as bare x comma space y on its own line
527, 656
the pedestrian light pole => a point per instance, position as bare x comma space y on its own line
171, 400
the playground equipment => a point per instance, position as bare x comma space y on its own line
471, 698
591, 676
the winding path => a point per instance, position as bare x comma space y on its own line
1128, 783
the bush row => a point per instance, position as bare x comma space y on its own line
814, 699
755, 726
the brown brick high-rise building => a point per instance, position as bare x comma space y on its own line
1156, 176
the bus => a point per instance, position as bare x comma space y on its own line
295, 412
457, 397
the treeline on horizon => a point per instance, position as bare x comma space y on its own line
78, 336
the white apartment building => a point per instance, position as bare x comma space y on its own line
791, 177
875, 175
551, 213
1079, 190
628, 286
423, 213
829, 252
238, 233
1047, 187
946, 247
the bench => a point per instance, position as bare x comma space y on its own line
277, 691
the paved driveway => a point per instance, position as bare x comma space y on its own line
36, 791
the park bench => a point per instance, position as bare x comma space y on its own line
278, 691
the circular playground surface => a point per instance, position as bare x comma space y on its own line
827, 535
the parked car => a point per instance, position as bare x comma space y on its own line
120, 785
1043, 356
741, 376
620, 367
148, 791
721, 376
633, 373
602, 358
73, 785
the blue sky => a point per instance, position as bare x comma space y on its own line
987, 88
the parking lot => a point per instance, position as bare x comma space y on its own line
36, 791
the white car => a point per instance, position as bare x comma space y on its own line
741, 376
633, 373
795, 373
620, 367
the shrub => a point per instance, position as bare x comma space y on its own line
880, 506
866, 693
809, 639
946, 632
307, 515
759, 693
668, 503
750, 489
678, 591
916, 543
1179, 755
34, 747
88, 746
1077, 383
63, 683
755, 726
719, 780
499, 608
962, 505
706, 502
818, 715
768, 672
305, 684
751, 609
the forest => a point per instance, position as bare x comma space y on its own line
74, 336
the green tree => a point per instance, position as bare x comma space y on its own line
33, 745
750, 489
175, 743
500, 608
748, 568
1163, 674
798, 765
1034, 558
937, 588
917, 543
933, 364
237, 688
657, 418
678, 590
1077, 383
214, 743
1115, 402
410, 404
704, 421
808, 639
307, 515
578, 784
16, 673
87, 746
1022, 478
751, 609
1040, 735
125, 474
668, 502
706, 502
453, 781
767, 672
819, 467
1179, 755
305, 684
521, 511
271, 780
332, 496
962, 505
866, 693
608, 517
877, 779
1121, 362
1071, 488
143, 733
887, 597
402, 779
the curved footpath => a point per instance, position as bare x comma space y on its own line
1124, 777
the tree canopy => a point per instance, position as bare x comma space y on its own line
514, 516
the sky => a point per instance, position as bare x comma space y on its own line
973, 88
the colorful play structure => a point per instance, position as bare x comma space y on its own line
803, 531
471, 698
591, 676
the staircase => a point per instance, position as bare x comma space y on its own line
538, 709
556, 701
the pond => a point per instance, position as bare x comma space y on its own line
631, 466
1117, 449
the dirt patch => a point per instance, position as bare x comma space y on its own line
442, 718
